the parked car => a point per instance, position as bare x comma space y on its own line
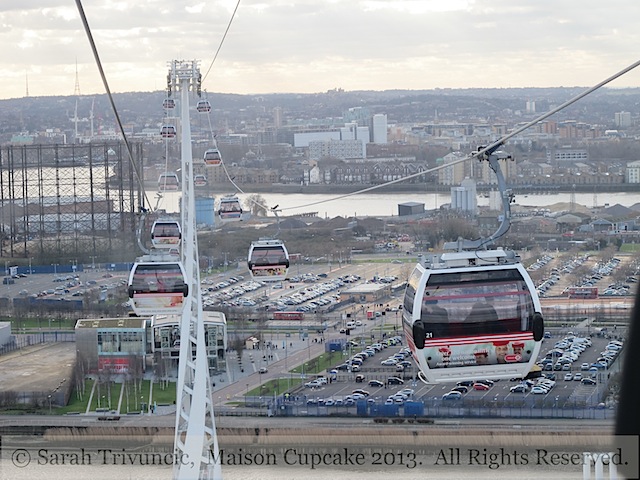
538, 390
452, 395
460, 389
395, 381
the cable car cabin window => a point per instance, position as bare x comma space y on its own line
212, 156
476, 303
230, 207
158, 279
410, 291
203, 106
268, 256
166, 230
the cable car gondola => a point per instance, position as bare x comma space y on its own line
168, 131
200, 181
203, 106
157, 287
212, 157
472, 313
166, 234
169, 103
268, 260
230, 209
168, 182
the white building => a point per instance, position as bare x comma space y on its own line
622, 119
379, 127
632, 172
464, 198
454, 174
303, 139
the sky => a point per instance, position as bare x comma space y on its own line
311, 46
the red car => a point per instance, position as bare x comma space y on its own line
480, 386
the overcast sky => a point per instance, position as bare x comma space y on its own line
311, 46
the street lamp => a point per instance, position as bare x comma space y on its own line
49, 397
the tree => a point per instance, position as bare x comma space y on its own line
257, 205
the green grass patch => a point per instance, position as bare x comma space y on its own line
319, 364
106, 396
39, 323
164, 393
134, 395
276, 386
630, 247
78, 399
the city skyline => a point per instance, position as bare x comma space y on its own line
308, 46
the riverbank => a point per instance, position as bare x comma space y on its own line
424, 188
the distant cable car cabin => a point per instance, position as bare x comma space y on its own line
168, 131
230, 209
168, 182
157, 286
212, 157
268, 260
166, 234
203, 106
200, 181
169, 103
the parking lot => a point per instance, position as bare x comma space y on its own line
342, 390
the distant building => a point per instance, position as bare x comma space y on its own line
622, 119
454, 174
572, 155
129, 344
118, 345
165, 346
343, 149
410, 208
277, 117
464, 197
366, 292
379, 128
632, 172
531, 106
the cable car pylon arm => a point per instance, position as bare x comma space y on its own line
493, 157
275, 212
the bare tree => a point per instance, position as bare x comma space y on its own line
257, 205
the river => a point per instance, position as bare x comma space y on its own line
386, 204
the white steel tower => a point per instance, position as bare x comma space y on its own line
195, 442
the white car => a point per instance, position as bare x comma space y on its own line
538, 390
